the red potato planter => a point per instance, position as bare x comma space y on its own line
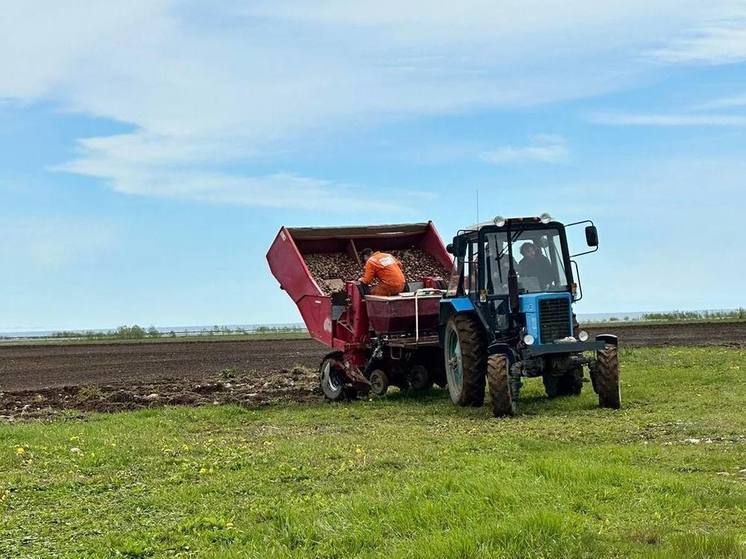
374, 341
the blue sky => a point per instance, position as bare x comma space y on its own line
150, 150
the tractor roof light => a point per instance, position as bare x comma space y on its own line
545, 218
499, 221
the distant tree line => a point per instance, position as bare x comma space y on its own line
133, 332
739, 313
136, 332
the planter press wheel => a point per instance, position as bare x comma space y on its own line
379, 382
419, 378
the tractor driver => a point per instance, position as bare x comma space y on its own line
535, 264
385, 268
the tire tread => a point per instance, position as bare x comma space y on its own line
474, 360
498, 379
606, 378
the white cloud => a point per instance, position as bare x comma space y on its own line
682, 119
546, 148
208, 84
720, 40
732, 102
277, 190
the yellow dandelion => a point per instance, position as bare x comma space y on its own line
20, 451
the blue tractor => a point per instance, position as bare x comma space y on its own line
508, 315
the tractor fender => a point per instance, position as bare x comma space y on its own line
500, 348
338, 355
451, 307
609, 339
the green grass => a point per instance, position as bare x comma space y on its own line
397, 477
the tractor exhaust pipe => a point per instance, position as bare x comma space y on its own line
513, 298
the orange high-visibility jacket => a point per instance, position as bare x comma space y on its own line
384, 267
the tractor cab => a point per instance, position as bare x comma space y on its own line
511, 295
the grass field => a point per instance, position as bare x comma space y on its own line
665, 477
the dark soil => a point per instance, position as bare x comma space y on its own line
40, 379
33, 367
298, 384
729, 334
37, 380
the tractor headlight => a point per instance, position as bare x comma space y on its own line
583, 336
545, 218
528, 339
499, 221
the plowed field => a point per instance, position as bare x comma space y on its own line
37, 379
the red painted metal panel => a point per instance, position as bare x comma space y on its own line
316, 313
396, 315
287, 265
285, 258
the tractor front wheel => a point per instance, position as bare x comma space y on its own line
332, 377
465, 361
498, 380
605, 378
568, 384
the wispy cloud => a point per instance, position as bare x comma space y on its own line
719, 41
545, 148
272, 191
209, 85
731, 102
657, 119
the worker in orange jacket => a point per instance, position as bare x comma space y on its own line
385, 268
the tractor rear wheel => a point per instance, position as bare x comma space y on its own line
498, 380
466, 361
332, 376
379, 382
605, 378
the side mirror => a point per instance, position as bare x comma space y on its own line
457, 248
591, 236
